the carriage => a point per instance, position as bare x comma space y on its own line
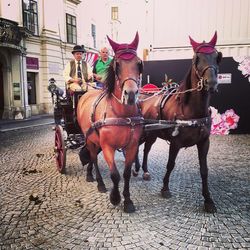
68, 134
177, 113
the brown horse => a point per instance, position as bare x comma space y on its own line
190, 103
111, 119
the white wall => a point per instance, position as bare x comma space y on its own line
174, 20
10, 9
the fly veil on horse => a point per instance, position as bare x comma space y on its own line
190, 105
111, 119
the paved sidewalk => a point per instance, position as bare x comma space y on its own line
34, 121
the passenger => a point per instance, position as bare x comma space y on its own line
100, 66
77, 72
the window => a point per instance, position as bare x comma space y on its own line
71, 28
30, 18
114, 13
93, 33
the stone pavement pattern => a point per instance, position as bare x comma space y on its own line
69, 213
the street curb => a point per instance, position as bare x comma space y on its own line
26, 126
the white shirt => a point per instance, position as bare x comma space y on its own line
66, 71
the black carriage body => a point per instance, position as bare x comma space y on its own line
68, 134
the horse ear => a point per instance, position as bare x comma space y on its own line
193, 43
213, 40
135, 42
113, 44
219, 57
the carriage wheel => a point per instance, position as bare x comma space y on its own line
60, 149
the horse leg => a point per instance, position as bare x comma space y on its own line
89, 176
147, 147
137, 164
85, 158
100, 184
173, 151
129, 158
109, 154
128, 204
203, 147
94, 150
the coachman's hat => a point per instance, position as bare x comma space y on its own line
52, 80
78, 48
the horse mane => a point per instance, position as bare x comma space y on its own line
186, 84
109, 82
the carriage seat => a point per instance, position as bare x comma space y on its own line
150, 88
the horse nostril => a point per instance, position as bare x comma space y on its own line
125, 92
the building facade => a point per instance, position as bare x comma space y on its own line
36, 40
37, 37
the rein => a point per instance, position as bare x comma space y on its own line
199, 87
201, 83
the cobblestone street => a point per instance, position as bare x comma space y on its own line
42, 209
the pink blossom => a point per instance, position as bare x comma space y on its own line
230, 119
222, 123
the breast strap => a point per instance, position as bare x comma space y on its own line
95, 125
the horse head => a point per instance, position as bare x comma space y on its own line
205, 63
124, 74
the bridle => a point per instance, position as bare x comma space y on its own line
202, 83
118, 80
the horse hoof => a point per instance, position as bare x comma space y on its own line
102, 188
209, 207
135, 173
115, 197
166, 194
146, 176
90, 178
129, 207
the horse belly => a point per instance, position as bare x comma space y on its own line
186, 137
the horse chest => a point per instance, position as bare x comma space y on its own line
194, 135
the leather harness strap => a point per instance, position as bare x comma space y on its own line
152, 124
131, 121
95, 104
164, 98
95, 125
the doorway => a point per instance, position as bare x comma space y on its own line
31, 85
1, 92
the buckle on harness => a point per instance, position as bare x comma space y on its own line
129, 122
